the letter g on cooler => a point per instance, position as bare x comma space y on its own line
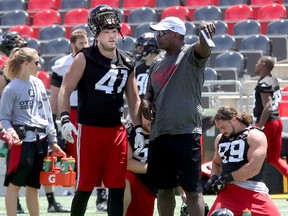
52, 178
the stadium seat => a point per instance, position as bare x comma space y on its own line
112, 3
126, 29
23, 30
177, 11
73, 4
51, 32
167, 3
235, 13
224, 42
44, 18
261, 2
74, 17
52, 62
142, 28
280, 46
190, 39
136, 4
270, 12
36, 5
127, 44
197, 3
6, 5
278, 27
227, 73
232, 59
129, 5
221, 27
15, 17
56, 46
257, 42
35, 44
192, 5
190, 28
209, 12
44, 77
210, 74
231, 2
247, 27
141, 15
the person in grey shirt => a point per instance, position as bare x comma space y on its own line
173, 103
25, 113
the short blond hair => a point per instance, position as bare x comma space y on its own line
76, 34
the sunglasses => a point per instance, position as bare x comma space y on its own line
162, 33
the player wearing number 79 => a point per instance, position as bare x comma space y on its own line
101, 73
237, 166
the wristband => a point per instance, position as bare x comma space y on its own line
64, 118
228, 177
64, 114
138, 126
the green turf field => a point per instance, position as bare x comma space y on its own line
281, 202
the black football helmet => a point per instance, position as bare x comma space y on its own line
11, 40
149, 43
222, 212
103, 16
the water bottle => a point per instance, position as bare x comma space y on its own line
3, 148
64, 165
71, 162
47, 164
246, 212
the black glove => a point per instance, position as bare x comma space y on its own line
210, 182
219, 184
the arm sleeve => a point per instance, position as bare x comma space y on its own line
56, 80
6, 107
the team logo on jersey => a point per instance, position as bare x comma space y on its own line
31, 93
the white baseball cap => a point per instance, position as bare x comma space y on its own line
170, 23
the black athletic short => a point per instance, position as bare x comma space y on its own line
175, 160
30, 165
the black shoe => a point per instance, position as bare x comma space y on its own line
57, 207
19, 208
101, 201
102, 207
